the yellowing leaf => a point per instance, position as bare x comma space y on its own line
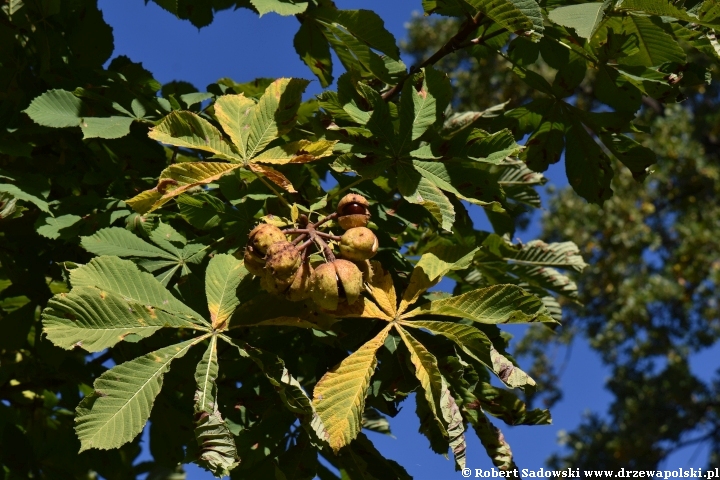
222, 279
430, 269
188, 130
492, 305
339, 396
177, 179
234, 113
364, 308
274, 176
302, 151
382, 289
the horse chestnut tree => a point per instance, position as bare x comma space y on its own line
179, 240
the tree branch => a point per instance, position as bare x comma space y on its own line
452, 45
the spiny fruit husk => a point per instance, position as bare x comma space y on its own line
282, 260
263, 236
255, 264
274, 285
334, 282
300, 287
358, 244
353, 211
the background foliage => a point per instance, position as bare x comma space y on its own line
65, 190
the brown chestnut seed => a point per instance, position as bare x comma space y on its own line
358, 244
354, 208
265, 235
353, 211
283, 260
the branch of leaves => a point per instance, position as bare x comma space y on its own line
171, 251
533, 266
406, 140
251, 126
339, 397
111, 300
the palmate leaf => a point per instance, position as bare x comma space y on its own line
177, 179
363, 461
506, 406
222, 278
365, 25
281, 7
655, 46
479, 347
123, 278
587, 166
420, 108
56, 108
122, 243
291, 392
313, 49
339, 396
95, 320
419, 190
274, 114
437, 394
431, 267
218, 452
492, 305
302, 151
234, 113
189, 130
539, 253
506, 14
120, 406
583, 18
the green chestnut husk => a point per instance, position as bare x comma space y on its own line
334, 282
358, 244
265, 235
274, 285
299, 289
282, 260
254, 263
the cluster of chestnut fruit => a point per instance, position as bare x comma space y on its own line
281, 258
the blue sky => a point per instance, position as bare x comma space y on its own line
241, 46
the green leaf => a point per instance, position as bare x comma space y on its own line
218, 452
234, 113
583, 18
531, 9
421, 191
56, 108
313, 49
289, 389
587, 167
506, 406
281, 7
492, 305
122, 277
633, 155
441, 402
431, 267
105, 127
617, 90
655, 46
421, 107
497, 448
122, 243
222, 278
479, 347
95, 320
559, 254
188, 130
506, 14
365, 25
274, 114
546, 144
50, 227
339, 396
120, 406
25, 193
363, 461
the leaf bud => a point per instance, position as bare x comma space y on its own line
265, 235
358, 244
282, 260
353, 211
334, 282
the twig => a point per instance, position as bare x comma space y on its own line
450, 46
326, 249
326, 219
277, 194
331, 237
